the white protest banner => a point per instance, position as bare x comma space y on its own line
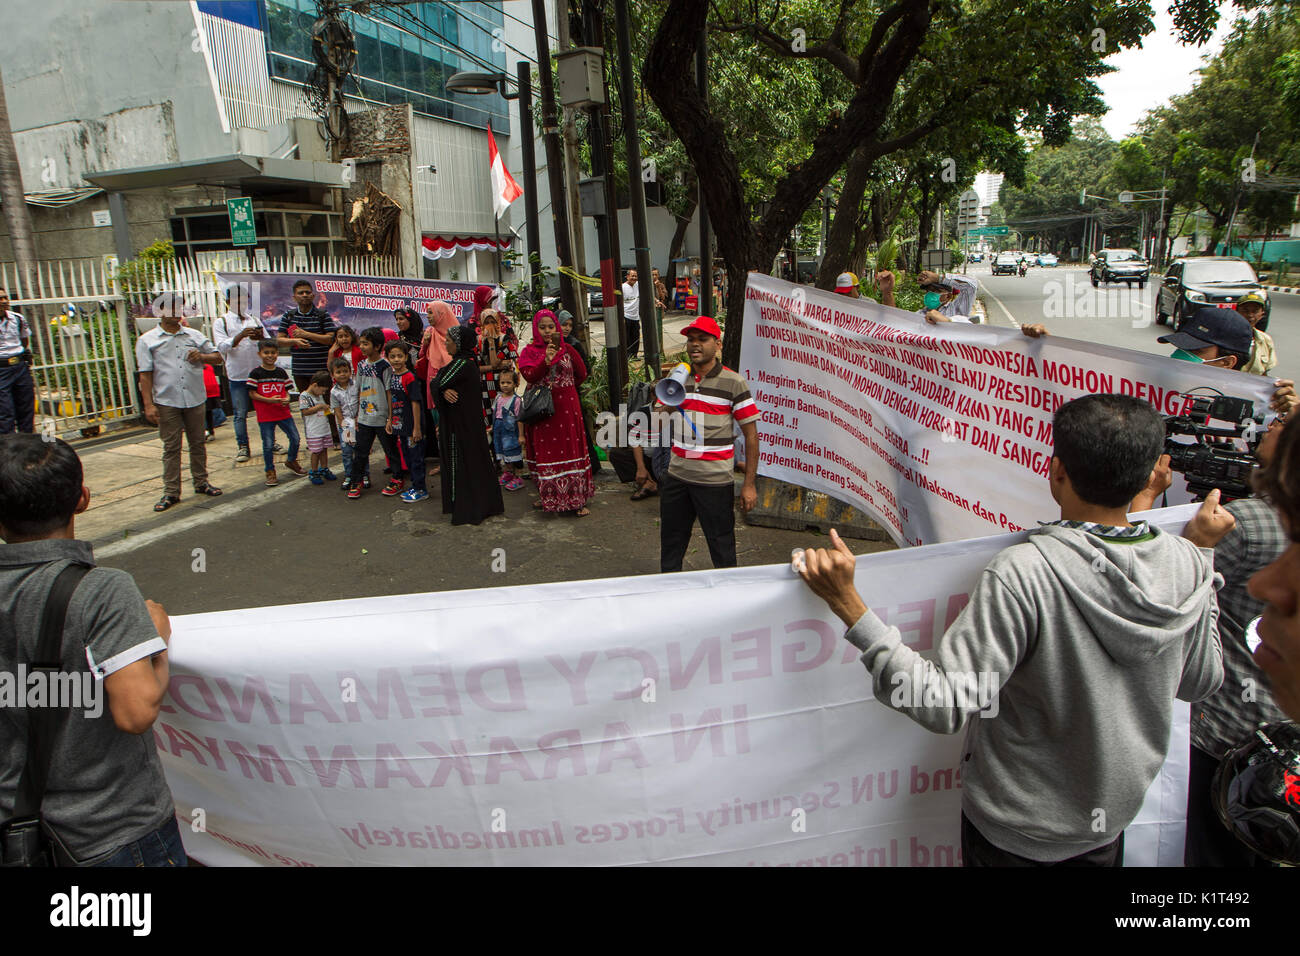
937, 432
712, 717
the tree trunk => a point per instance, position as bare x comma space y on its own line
925, 222
668, 76
17, 216
675, 247
840, 243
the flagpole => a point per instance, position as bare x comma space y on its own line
496, 226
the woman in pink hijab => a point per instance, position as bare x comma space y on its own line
556, 446
433, 356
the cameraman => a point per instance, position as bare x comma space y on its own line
1229, 716
17, 394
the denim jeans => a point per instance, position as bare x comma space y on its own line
268, 440
163, 847
413, 452
241, 403
345, 451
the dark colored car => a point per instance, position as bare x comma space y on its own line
1120, 265
1006, 263
1193, 282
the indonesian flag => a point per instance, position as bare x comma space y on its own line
504, 188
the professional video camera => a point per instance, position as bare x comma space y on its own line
1209, 462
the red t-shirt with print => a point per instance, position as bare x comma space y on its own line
270, 383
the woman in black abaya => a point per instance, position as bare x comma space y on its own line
470, 489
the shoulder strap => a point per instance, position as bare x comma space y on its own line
43, 724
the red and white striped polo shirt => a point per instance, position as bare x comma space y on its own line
704, 455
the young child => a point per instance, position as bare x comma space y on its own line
373, 375
343, 401
315, 407
212, 387
405, 391
345, 347
507, 430
268, 387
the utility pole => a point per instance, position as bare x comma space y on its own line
602, 166
577, 239
705, 303
17, 217
524, 81
650, 339
570, 294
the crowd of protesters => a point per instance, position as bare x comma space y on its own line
1094, 615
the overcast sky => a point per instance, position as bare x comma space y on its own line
1147, 77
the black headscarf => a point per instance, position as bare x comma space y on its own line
466, 353
414, 328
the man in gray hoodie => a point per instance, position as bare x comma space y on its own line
1086, 631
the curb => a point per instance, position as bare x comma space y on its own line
1285, 289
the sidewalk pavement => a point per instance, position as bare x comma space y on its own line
124, 475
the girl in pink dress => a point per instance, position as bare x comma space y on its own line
557, 445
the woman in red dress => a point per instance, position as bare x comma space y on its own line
556, 450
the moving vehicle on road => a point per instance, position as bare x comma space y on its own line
1006, 263
1195, 281
1120, 265
1047, 259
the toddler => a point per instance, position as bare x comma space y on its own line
315, 408
507, 430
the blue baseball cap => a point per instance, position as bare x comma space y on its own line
1211, 326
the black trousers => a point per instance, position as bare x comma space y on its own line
1209, 842
17, 398
366, 435
633, 338
680, 504
977, 851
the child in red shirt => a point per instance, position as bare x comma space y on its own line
268, 387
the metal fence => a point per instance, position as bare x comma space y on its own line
85, 320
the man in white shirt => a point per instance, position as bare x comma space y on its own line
236, 334
632, 312
950, 296
17, 393
170, 359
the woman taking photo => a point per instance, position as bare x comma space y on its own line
470, 490
557, 444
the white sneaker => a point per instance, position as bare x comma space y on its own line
243, 454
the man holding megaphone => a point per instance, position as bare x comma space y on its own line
711, 400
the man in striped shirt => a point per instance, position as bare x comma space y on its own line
699, 481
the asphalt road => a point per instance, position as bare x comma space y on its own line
1064, 300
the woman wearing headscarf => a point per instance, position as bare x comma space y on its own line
432, 358
556, 450
483, 296
410, 329
470, 490
498, 350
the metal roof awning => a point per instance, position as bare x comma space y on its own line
237, 172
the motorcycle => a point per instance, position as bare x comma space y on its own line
1024, 267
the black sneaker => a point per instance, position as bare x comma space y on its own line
365, 481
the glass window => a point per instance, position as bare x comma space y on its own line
178, 230
209, 227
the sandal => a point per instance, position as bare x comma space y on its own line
582, 512
208, 490
165, 502
643, 492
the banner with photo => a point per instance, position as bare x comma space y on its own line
704, 718
357, 301
942, 432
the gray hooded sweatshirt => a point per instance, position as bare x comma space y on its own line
1085, 641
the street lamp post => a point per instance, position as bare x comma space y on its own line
488, 83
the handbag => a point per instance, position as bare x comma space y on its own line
537, 404
26, 839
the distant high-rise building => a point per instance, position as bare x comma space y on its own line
988, 185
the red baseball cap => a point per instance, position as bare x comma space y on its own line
706, 325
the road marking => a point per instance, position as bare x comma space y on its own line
207, 516
1005, 310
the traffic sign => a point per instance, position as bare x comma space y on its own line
243, 231
988, 231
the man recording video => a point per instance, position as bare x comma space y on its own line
1088, 631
